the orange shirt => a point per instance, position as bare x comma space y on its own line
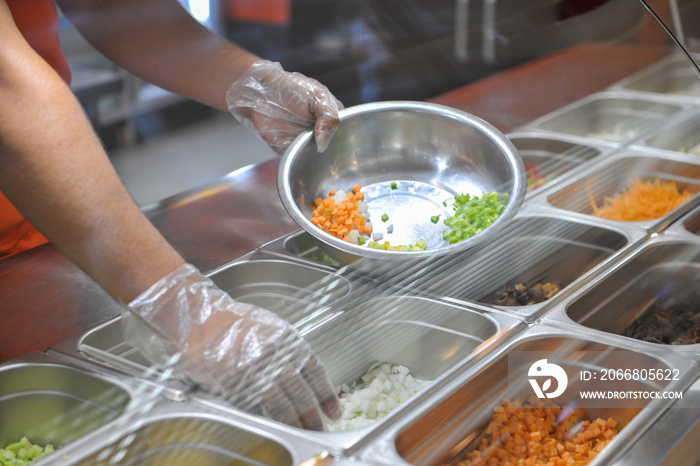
37, 20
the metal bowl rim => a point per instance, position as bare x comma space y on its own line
517, 194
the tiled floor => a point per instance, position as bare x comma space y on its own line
182, 159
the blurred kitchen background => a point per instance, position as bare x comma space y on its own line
363, 50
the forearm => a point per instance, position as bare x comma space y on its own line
160, 42
55, 171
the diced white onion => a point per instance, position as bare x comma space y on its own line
353, 236
383, 387
339, 196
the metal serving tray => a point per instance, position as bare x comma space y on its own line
178, 434
52, 402
440, 431
611, 177
680, 134
657, 276
615, 117
672, 77
551, 158
435, 339
292, 290
297, 292
689, 224
536, 247
673, 438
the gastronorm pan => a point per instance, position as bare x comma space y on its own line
453, 422
537, 248
651, 298
550, 158
608, 116
295, 291
290, 289
52, 402
680, 134
689, 224
174, 433
672, 439
672, 77
434, 339
609, 178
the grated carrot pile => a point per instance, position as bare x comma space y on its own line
529, 435
641, 200
340, 218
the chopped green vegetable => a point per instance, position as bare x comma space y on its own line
23, 452
421, 245
472, 215
393, 185
435, 218
385, 217
321, 257
361, 240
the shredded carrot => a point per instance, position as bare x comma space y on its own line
340, 218
547, 441
640, 201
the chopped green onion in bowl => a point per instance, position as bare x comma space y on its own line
472, 215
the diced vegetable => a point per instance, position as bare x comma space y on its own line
535, 179
340, 214
641, 200
385, 217
394, 185
472, 215
23, 452
382, 388
530, 434
420, 245
321, 257
435, 218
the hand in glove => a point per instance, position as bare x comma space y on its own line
279, 105
252, 357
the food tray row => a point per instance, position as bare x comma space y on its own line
433, 328
449, 320
360, 324
527, 251
97, 417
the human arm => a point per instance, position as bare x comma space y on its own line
55, 171
160, 42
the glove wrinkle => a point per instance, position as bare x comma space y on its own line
277, 105
247, 355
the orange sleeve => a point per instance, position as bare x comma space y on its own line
16, 233
37, 20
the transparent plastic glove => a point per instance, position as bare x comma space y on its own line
279, 105
249, 355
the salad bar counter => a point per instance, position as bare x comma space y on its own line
430, 357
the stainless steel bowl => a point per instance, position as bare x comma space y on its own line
432, 152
